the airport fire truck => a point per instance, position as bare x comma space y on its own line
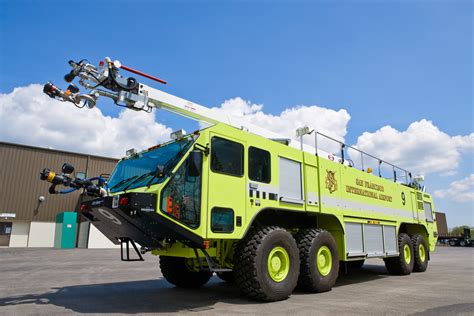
254, 207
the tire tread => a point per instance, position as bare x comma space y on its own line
245, 265
397, 265
419, 266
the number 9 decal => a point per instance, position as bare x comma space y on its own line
107, 214
403, 198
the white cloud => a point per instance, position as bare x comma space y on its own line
464, 143
459, 191
422, 148
327, 121
28, 116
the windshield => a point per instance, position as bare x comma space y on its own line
143, 169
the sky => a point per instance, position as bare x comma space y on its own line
393, 78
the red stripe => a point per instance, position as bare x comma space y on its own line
143, 74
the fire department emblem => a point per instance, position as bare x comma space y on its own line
331, 182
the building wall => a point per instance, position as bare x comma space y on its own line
20, 232
98, 240
21, 187
41, 234
83, 236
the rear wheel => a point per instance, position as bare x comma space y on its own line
181, 272
319, 266
266, 264
462, 243
421, 252
452, 243
403, 264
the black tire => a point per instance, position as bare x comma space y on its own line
310, 242
462, 243
226, 276
398, 265
356, 264
421, 255
251, 264
452, 243
177, 272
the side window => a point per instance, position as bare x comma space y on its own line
181, 198
259, 165
222, 220
428, 211
227, 157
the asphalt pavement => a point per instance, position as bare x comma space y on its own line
91, 281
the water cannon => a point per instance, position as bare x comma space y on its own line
92, 186
102, 80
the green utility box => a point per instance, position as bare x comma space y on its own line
66, 230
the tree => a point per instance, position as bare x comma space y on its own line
459, 230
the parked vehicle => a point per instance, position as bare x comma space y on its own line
255, 208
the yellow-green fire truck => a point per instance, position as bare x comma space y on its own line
265, 212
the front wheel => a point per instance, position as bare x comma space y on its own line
181, 272
266, 264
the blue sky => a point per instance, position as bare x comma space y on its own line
386, 63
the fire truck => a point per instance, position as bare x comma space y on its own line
256, 208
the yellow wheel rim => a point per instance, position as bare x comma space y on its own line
278, 264
422, 252
407, 253
324, 260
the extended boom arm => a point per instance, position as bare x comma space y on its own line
106, 81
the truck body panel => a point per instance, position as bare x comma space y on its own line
363, 211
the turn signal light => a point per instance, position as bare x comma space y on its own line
169, 205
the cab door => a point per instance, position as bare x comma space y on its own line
414, 205
226, 187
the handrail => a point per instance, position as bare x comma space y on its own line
380, 161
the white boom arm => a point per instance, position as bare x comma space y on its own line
136, 96
201, 113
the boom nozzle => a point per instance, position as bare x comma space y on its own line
106, 81
64, 178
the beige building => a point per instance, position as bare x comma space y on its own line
26, 220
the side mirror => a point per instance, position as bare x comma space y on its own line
67, 168
195, 163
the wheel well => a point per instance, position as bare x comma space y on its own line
297, 220
333, 225
284, 218
412, 229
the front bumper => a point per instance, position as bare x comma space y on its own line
137, 220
